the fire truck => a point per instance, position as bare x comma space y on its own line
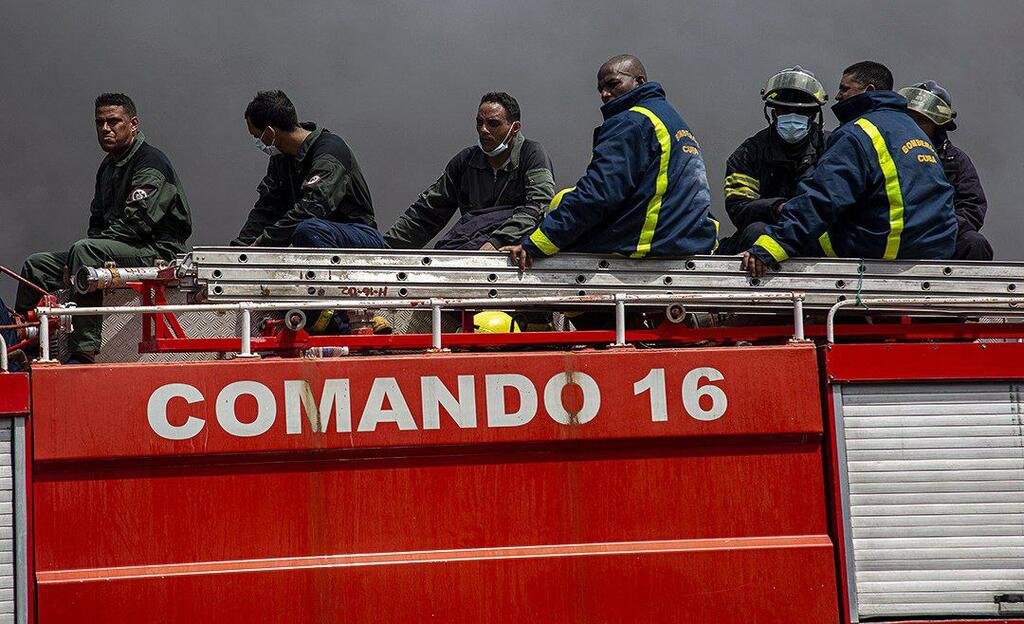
838, 442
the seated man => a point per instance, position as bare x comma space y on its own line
645, 191
932, 108
765, 169
500, 188
878, 191
314, 194
139, 214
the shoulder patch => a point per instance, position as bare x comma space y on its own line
139, 194
313, 181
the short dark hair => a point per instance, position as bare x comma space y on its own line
117, 99
272, 108
506, 101
870, 72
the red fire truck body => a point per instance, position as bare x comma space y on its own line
717, 484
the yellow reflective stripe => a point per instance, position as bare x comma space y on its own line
742, 180
543, 243
556, 201
768, 244
717, 225
322, 321
826, 245
741, 192
892, 187
643, 246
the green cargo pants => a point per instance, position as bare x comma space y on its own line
47, 270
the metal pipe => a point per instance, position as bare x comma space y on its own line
3, 354
798, 317
246, 332
44, 338
620, 321
896, 304
91, 279
435, 325
413, 303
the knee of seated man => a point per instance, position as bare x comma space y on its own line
309, 233
86, 252
34, 260
974, 246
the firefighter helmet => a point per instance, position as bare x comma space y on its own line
795, 87
932, 101
494, 322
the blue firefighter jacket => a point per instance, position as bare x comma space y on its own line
878, 191
645, 191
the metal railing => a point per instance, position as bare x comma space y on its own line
436, 305
971, 305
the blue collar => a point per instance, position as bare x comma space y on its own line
862, 104
626, 101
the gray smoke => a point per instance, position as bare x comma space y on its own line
400, 81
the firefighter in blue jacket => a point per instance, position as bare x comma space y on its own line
878, 190
645, 192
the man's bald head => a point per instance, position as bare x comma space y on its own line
626, 63
620, 75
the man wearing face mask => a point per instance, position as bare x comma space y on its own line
932, 108
878, 190
765, 169
645, 191
500, 187
314, 193
139, 214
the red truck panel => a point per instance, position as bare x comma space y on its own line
202, 492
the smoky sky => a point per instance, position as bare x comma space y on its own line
400, 81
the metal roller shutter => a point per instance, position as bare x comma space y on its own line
933, 496
6, 524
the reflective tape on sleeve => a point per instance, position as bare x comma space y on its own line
543, 243
768, 244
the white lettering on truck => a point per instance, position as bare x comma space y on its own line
386, 404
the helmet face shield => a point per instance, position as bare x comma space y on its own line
928, 104
791, 80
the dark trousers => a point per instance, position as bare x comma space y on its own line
324, 234
47, 270
972, 245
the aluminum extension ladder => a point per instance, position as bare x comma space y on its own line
232, 274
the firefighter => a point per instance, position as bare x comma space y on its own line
314, 193
878, 191
139, 214
932, 108
500, 187
764, 170
645, 192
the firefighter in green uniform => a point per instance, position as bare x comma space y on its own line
139, 215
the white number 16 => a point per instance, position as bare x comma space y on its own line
654, 383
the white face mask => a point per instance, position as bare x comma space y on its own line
502, 147
269, 150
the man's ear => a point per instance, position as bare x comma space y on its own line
641, 79
871, 87
134, 123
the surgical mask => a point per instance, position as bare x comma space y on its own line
792, 127
502, 147
269, 150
